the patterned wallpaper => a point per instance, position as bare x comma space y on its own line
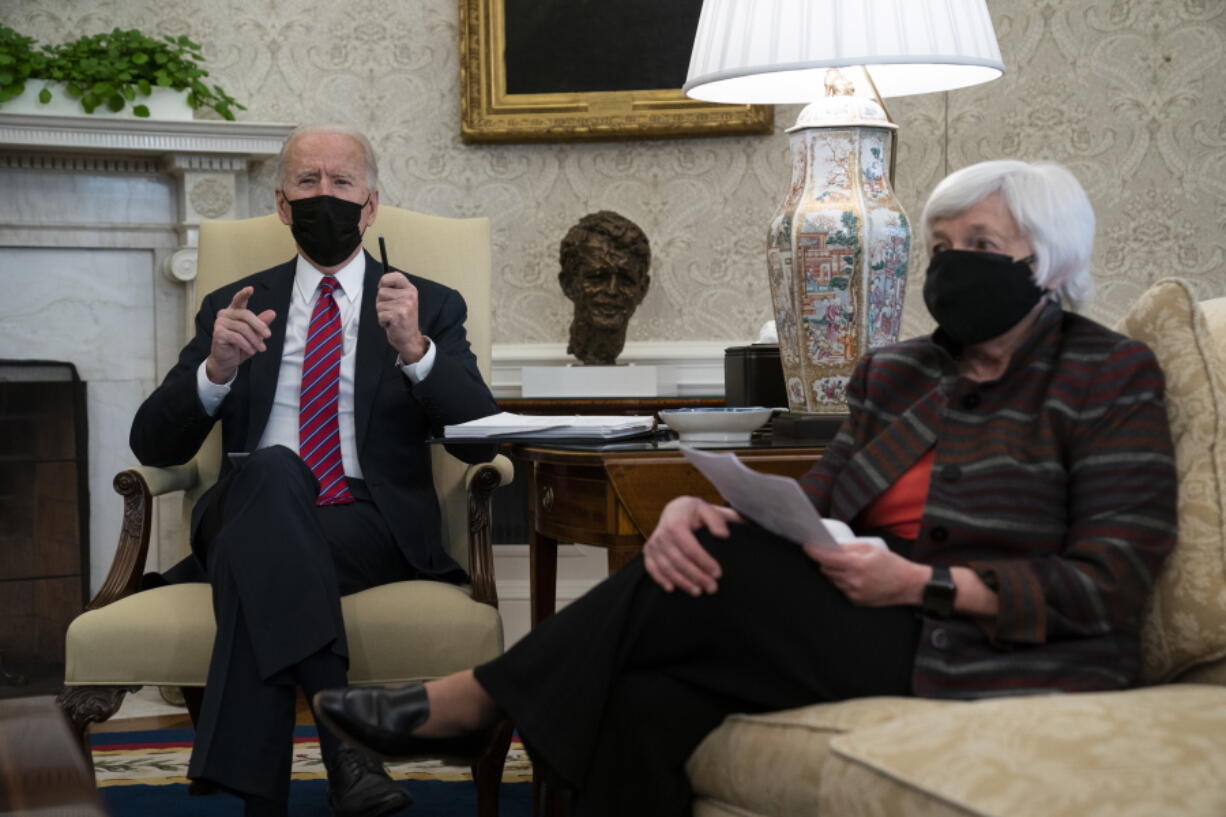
1129, 93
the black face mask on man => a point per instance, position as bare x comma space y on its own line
325, 227
976, 296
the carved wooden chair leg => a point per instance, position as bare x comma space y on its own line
487, 771
85, 705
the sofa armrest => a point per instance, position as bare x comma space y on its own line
480, 481
138, 486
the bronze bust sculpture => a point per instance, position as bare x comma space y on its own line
605, 259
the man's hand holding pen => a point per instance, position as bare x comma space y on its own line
396, 308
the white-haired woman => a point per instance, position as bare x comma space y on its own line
1017, 461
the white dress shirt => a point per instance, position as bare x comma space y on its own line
282, 427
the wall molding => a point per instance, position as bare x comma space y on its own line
42, 132
580, 568
94, 235
565, 552
568, 589
76, 163
697, 366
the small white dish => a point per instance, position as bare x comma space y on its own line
716, 425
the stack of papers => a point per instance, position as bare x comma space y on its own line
506, 424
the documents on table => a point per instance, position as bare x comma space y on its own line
591, 426
775, 502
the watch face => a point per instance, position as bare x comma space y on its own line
939, 592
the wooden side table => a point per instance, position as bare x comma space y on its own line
42, 769
612, 496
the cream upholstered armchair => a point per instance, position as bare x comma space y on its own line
397, 632
1159, 749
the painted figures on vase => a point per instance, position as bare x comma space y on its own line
837, 259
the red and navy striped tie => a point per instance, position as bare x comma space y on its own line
319, 434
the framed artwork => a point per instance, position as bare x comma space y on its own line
565, 70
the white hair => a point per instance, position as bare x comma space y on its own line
368, 152
1050, 207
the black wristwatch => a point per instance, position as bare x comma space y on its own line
939, 593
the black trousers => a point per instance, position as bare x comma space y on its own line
614, 692
278, 565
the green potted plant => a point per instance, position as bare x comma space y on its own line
113, 70
20, 58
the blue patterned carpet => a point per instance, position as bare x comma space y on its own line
141, 774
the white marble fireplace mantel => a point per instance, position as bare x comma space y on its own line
209, 161
99, 222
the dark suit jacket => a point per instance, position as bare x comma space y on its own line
392, 416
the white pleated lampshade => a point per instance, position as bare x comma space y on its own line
777, 51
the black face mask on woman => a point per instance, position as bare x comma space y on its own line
976, 296
325, 227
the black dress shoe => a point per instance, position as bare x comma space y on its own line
359, 786
383, 719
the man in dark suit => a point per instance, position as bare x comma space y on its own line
327, 372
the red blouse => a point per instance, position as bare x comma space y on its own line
900, 508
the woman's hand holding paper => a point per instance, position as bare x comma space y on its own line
871, 576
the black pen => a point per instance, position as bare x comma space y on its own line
383, 256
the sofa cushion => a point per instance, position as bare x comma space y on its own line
1213, 673
1186, 621
397, 632
1159, 750
773, 763
712, 808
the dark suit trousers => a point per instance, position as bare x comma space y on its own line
278, 565
613, 693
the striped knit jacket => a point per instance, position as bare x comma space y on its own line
1055, 484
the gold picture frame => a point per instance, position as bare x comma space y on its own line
491, 114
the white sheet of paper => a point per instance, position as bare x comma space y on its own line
505, 423
775, 502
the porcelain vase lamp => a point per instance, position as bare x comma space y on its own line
838, 246
836, 251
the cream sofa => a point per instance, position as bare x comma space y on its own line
1156, 750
